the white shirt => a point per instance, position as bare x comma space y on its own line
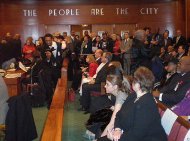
54, 45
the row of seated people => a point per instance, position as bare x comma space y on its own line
132, 100
101, 74
156, 65
126, 125
178, 90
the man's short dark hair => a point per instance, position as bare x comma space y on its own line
108, 55
48, 35
182, 46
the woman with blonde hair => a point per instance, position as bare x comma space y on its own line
87, 75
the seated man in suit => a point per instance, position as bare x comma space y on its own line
3, 101
175, 94
95, 84
171, 77
181, 52
98, 54
179, 40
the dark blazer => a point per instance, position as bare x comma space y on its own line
175, 94
87, 49
140, 56
140, 120
179, 57
169, 42
99, 61
181, 41
20, 124
58, 51
170, 83
102, 74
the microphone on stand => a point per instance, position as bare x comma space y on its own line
31, 80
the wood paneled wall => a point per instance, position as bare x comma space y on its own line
79, 29
171, 16
188, 18
57, 28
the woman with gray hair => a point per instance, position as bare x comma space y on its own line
140, 54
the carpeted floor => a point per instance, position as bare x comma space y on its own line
39, 115
73, 124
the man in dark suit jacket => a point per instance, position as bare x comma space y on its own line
171, 78
181, 52
86, 47
95, 84
166, 40
54, 48
176, 93
98, 55
179, 40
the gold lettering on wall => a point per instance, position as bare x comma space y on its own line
93, 12
63, 12
97, 11
149, 11
122, 11
30, 13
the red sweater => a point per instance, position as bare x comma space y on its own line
116, 48
28, 48
92, 69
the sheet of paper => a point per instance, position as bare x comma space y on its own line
168, 120
22, 67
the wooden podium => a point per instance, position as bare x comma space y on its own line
14, 84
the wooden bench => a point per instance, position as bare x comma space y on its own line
54, 122
179, 128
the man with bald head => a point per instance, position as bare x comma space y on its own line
176, 93
98, 55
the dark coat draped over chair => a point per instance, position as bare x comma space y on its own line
20, 124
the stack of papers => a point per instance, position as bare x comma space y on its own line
22, 66
13, 75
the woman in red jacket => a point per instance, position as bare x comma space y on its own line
29, 49
116, 47
88, 75
92, 65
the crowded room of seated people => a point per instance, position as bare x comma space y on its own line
95, 70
